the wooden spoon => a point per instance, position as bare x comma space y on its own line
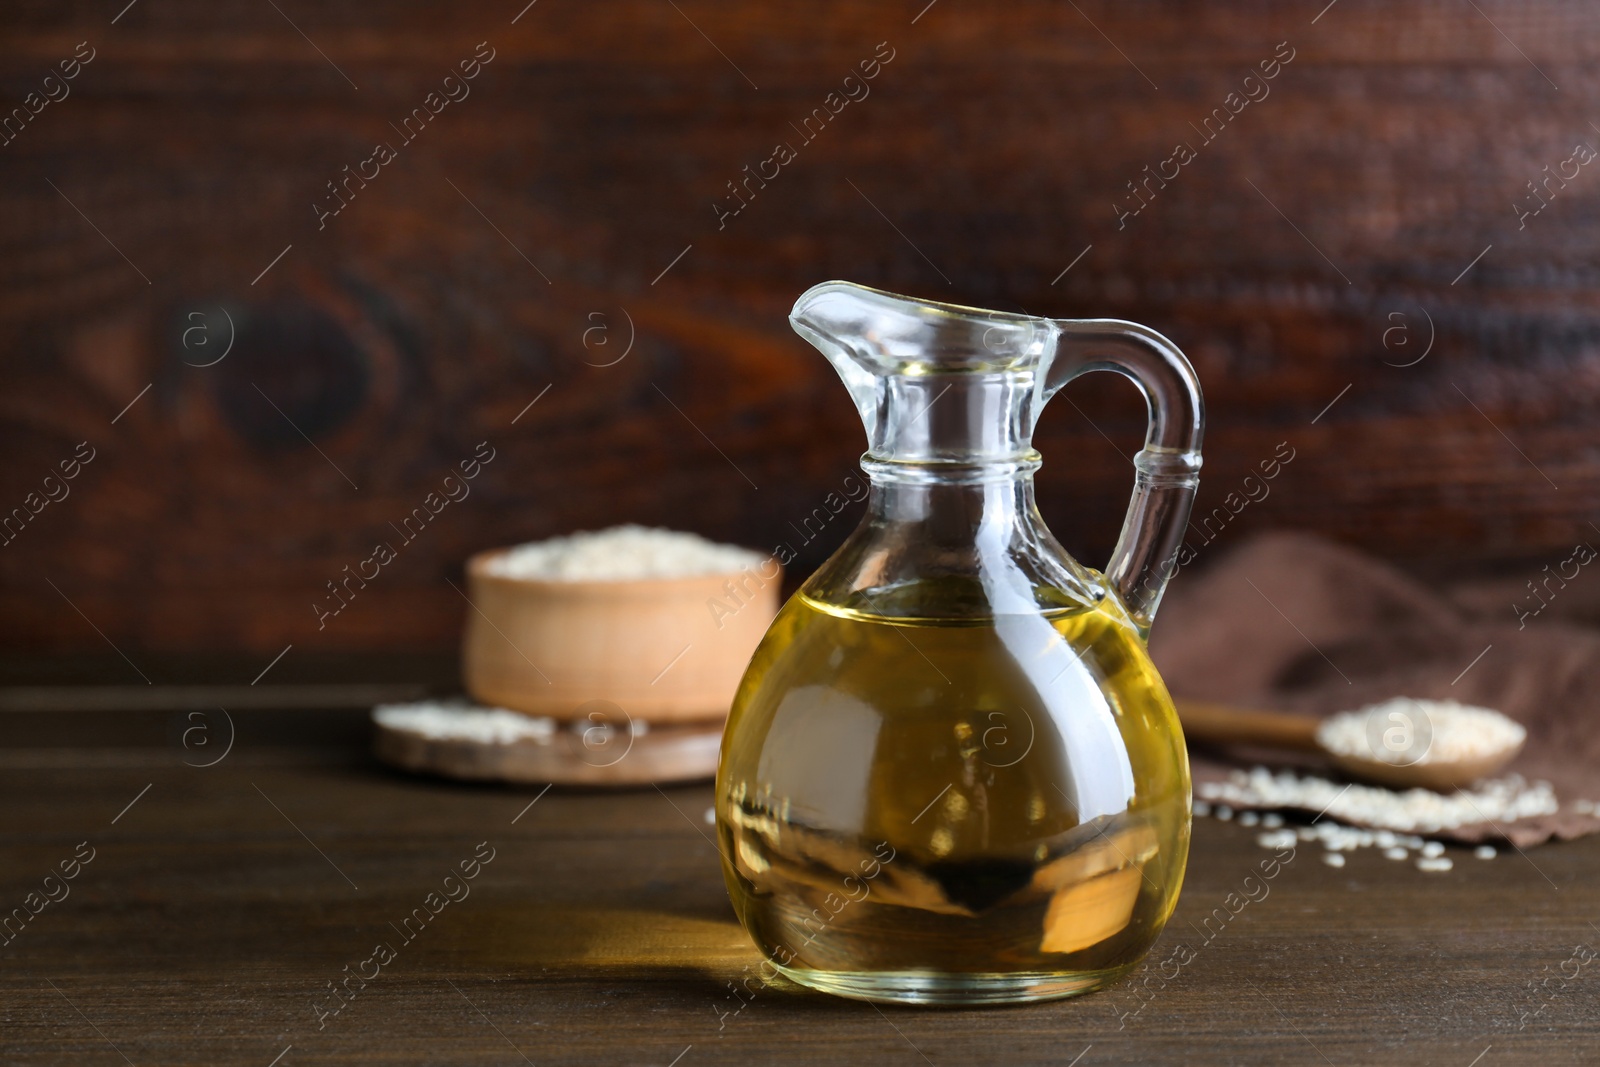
1220, 724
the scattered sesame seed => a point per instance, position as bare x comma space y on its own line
1276, 839
711, 816
1434, 863
1272, 820
1333, 859
1433, 850
1202, 808
1499, 800
1396, 853
1249, 818
459, 720
1485, 852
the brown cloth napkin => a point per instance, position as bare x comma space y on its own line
1292, 622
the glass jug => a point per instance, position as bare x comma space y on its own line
951, 773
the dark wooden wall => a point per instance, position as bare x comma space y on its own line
1319, 241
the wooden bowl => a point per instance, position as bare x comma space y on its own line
659, 649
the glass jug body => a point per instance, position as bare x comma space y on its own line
951, 773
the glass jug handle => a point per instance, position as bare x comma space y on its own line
1167, 469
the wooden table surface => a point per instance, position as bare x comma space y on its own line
222, 903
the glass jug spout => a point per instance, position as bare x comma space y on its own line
935, 384
952, 394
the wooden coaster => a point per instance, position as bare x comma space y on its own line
496, 745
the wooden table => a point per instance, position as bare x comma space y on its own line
221, 903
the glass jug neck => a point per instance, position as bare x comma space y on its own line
953, 427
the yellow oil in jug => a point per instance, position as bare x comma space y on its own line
917, 804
